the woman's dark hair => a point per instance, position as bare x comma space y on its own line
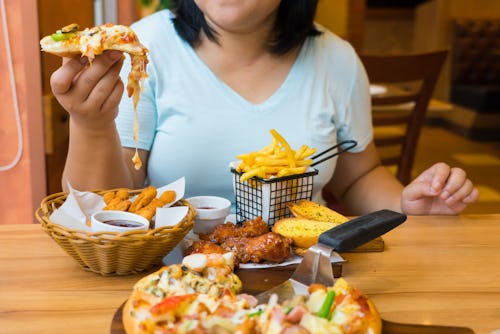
294, 23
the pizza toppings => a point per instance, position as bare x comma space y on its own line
66, 32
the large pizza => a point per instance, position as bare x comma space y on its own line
202, 295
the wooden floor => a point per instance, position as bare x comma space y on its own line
481, 161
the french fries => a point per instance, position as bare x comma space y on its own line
277, 159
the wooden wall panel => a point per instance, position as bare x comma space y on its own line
54, 14
23, 186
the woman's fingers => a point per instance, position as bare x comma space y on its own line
461, 194
61, 80
90, 77
435, 177
472, 197
113, 99
105, 86
454, 181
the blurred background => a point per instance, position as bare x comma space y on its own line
462, 125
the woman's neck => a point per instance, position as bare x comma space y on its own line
244, 62
243, 46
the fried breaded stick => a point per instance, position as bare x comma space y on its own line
149, 210
143, 199
168, 196
117, 200
118, 204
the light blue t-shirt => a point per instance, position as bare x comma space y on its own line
194, 125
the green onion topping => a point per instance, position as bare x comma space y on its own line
324, 312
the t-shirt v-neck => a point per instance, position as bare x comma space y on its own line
229, 93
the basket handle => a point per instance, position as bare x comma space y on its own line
340, 149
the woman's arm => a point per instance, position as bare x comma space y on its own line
363, 185
101, 163
91, 94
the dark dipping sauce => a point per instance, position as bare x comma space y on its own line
206, 207
122, 223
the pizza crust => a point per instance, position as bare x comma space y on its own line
374, 320
128, 322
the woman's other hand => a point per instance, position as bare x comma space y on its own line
440, 190
90, 92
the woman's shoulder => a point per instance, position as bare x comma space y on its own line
335, 59
333, 48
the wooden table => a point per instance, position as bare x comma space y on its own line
435, 270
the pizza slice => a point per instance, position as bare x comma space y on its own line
70, 41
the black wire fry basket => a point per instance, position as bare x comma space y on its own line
269, 198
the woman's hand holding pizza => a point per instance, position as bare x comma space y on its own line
440, 189
90, 92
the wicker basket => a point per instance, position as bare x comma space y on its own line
111, 253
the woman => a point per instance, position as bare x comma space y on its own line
221, 75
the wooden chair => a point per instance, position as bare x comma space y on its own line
399, 112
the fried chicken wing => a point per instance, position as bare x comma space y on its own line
251, 242
250, 228
267, 247
237, 246
204, 247
220, 233
254, 228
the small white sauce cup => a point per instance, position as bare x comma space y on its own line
117, 221
211, 211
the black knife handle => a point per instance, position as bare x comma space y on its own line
360, 230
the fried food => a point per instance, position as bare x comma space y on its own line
168, 196
267, 247
118, 204
143, 199
145, 204
250, 228
204, 247
251, 242
117, 200
108, 197
149, 210
277, 159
